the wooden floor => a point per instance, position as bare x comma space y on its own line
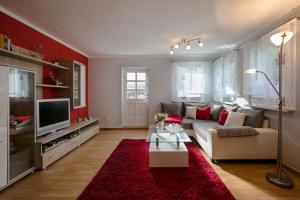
67, 177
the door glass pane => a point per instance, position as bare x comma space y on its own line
21, 122
141, 76
141, 94
131, 85
131, 76
76, 85
141, 85
131, 94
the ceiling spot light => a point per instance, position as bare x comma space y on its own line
187, 43
188, 46
200, 43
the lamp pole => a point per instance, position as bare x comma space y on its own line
279, 160
279, 178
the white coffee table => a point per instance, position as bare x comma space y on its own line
169, 150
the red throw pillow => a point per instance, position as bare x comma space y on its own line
176, 119
203, 113
223, 116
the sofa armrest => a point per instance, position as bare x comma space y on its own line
261, 146
266, 131
211, 134
265, 124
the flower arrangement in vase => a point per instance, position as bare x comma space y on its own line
160, 119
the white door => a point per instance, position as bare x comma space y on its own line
135, 97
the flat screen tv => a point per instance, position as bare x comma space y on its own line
52, 115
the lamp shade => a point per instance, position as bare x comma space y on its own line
277, 38
250, 71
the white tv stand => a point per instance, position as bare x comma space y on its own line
66, 140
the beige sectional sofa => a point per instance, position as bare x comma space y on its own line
261, 146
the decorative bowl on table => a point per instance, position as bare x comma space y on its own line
174, 128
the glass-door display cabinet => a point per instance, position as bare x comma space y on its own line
17, 124
77, 80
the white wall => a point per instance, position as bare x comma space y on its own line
105, 86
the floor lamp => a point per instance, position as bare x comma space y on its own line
278, 178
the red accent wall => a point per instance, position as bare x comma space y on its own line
28, 38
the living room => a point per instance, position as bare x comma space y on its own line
149, 100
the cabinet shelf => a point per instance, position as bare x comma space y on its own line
52, 86
30, 59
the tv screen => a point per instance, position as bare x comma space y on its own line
53, 114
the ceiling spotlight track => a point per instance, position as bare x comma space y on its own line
187, 43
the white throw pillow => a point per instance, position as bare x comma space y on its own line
235, 119
190, 112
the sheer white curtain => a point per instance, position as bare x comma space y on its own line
225, 78
230, 76
262, 54
218, 80
191, 81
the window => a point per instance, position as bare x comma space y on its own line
262, 54
136, 85
191, 81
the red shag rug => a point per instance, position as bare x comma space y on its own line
126, 175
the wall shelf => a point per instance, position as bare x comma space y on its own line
52, 86
30, 59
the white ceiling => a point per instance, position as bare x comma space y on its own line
148, 27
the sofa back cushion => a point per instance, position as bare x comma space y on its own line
215, 111
191, 112
172, 109
254, 118
235, 119
203, 113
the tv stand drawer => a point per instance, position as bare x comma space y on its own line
88, 133
57, 152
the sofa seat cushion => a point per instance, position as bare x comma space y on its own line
201, 127
175, 119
